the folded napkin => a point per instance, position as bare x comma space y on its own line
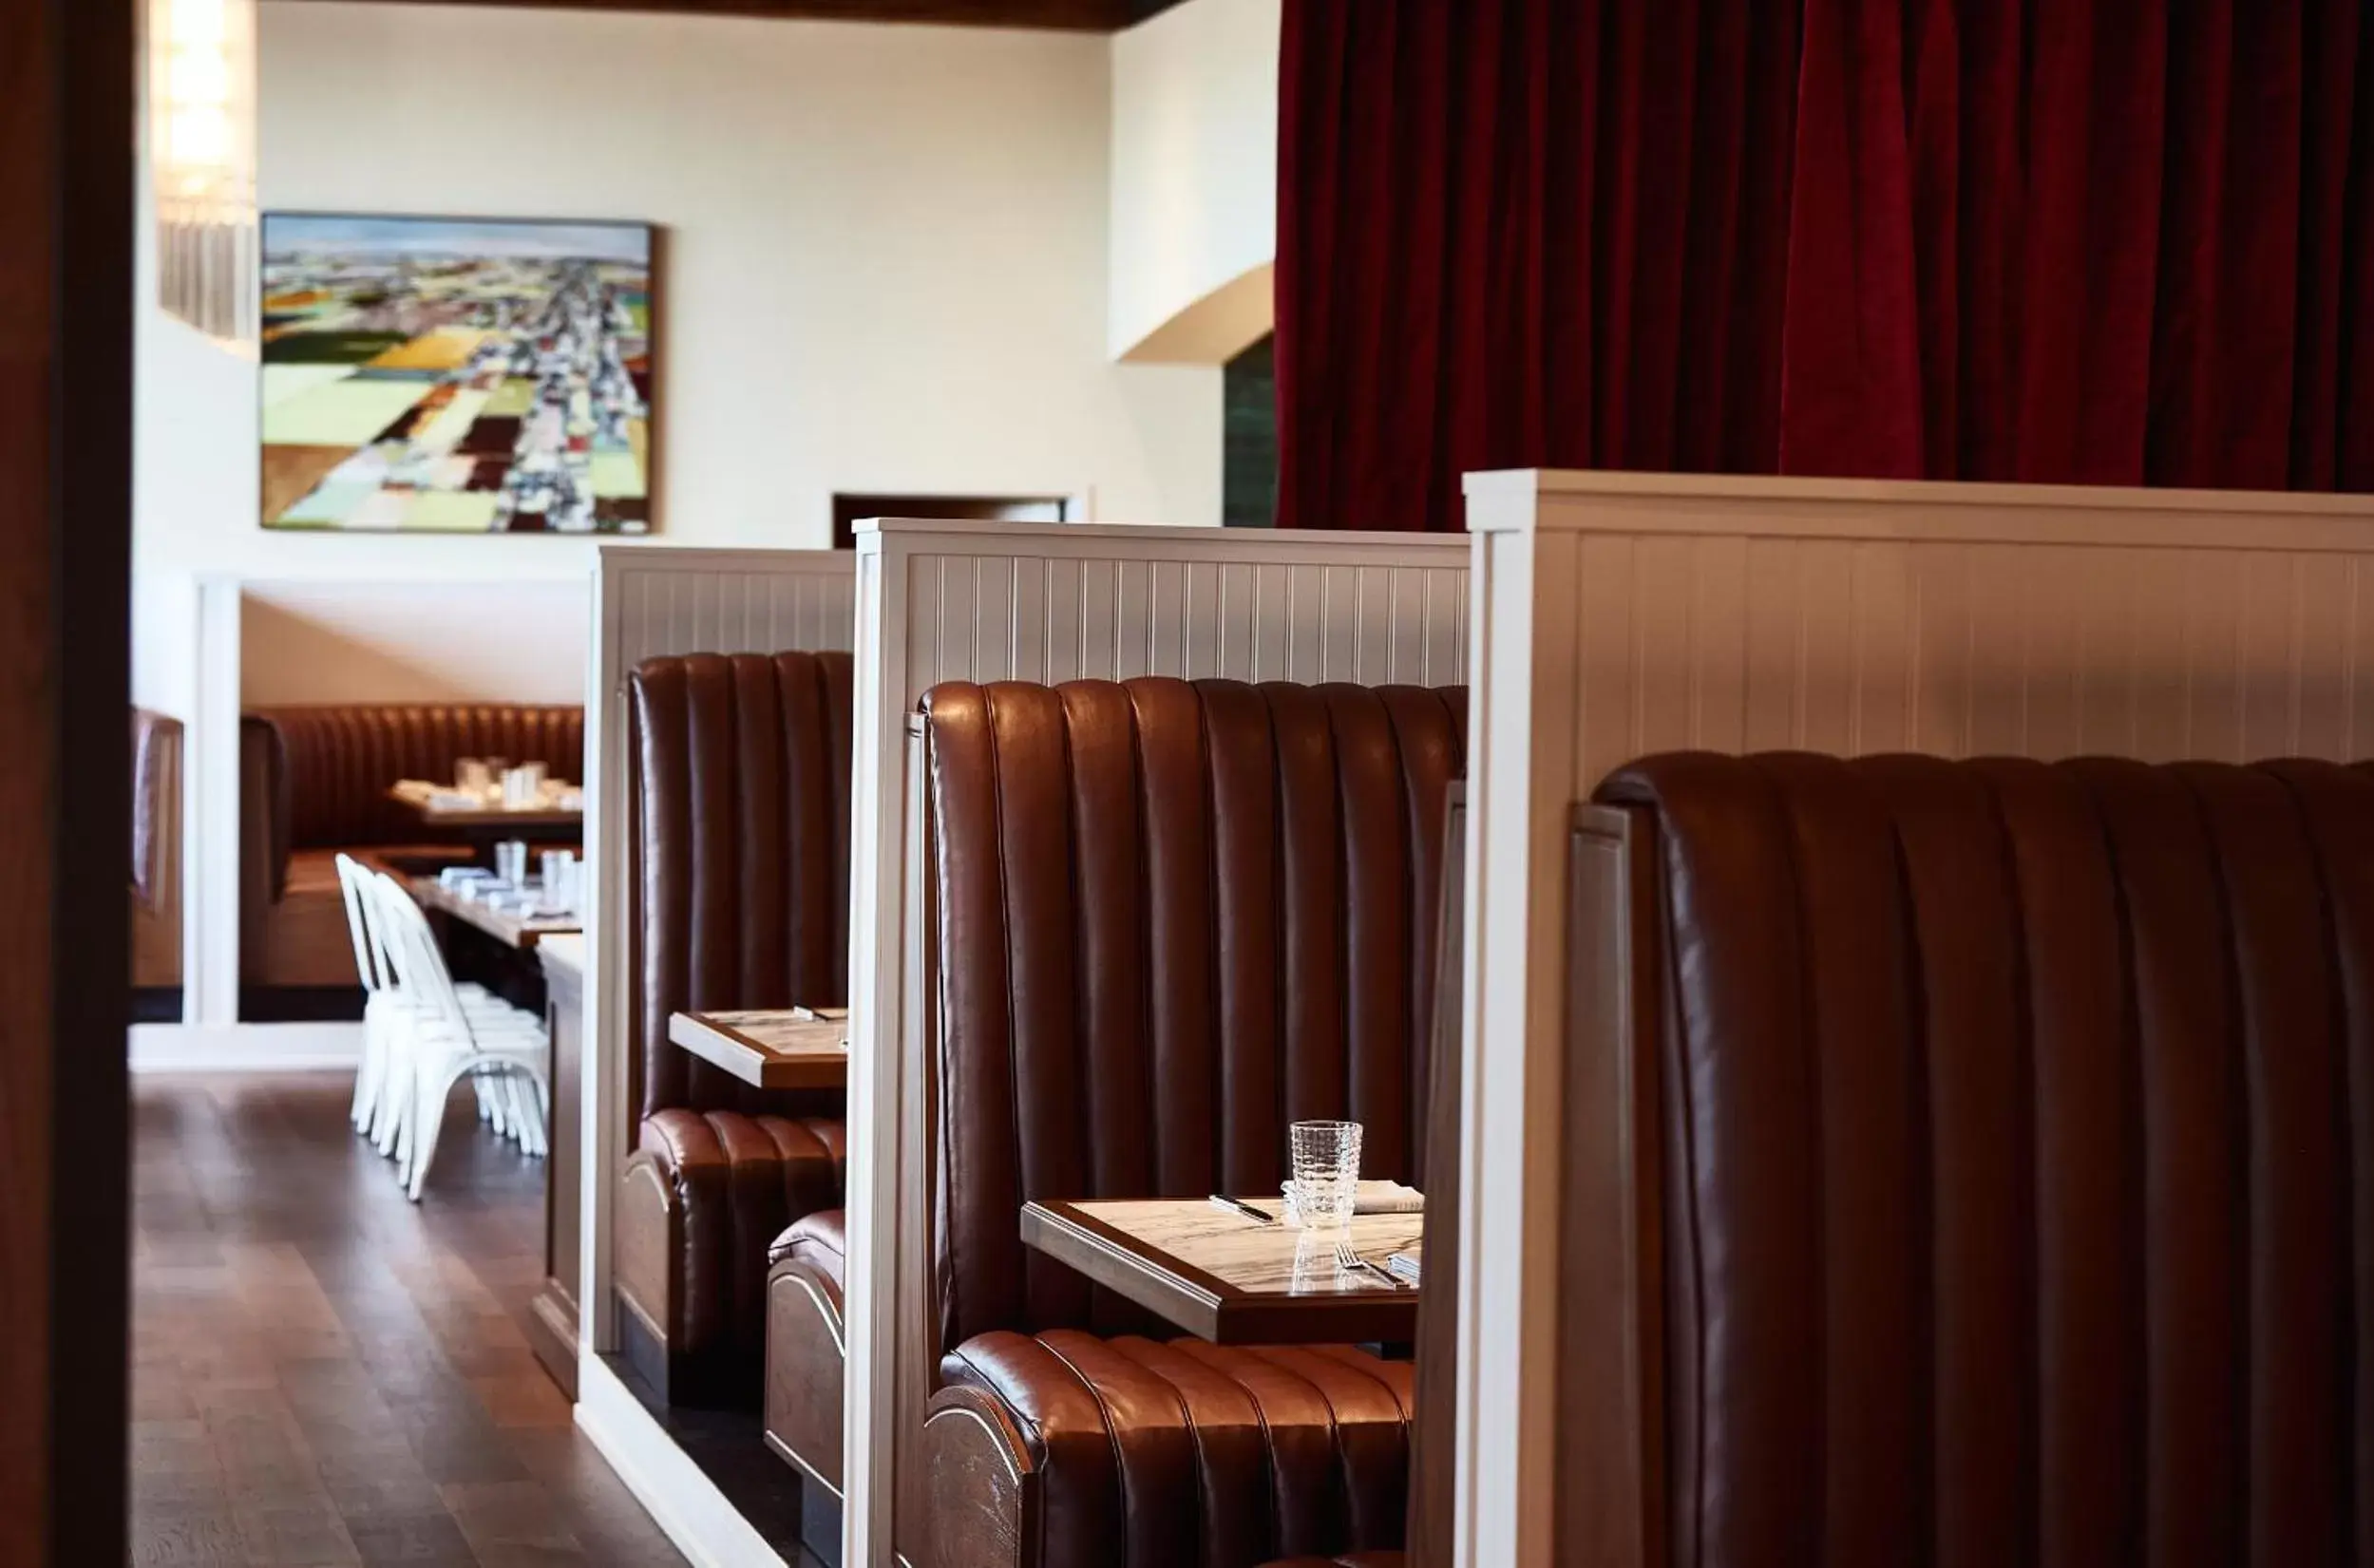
1378, 1198
1387, 1198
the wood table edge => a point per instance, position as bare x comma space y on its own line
1224, 1313
465, 817
512, 931
1115, 1259
757, 1065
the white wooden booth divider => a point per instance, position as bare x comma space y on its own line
993, 602
647, 601
1622, 615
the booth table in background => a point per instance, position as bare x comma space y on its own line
510, 928
484, 824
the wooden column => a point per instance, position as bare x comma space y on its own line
66, 300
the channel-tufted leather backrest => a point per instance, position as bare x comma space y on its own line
331, 767
2020, 1204
741, 846
1169, 919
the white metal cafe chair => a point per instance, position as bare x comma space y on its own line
450, 1041
382, 1005
381, 1105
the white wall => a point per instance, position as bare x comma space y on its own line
1194, 181
164, 644
327, 642
883, 267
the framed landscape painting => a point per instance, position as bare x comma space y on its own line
456, 376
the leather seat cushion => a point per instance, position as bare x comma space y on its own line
303, 940
396, 859
818, 1241
316, 870
1251, 1451
741, 1180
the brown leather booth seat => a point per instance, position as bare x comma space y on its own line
740, 834
1169, 919
2014, 1203
807, 1340
314, 784
156, 849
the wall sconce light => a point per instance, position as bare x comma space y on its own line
202, 149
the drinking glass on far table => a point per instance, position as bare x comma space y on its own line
560, 872
1326, 1171
471, 775
511, 863
522, 787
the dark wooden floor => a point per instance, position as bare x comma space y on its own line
325, 1374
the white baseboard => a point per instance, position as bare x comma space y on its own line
245, 1048
683, 1501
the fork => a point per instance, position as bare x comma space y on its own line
1352, 1262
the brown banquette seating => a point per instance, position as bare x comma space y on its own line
740, 838
805, 1336
1167, 919
2004, 1192
314, 784
156, 849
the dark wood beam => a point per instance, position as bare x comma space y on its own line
66, 69
1071, 15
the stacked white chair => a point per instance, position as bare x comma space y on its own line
381, 1005
389, 1017
423, 1034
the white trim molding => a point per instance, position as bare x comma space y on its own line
690, 1510
941, 600
1622, 614
210, 813
246, 1047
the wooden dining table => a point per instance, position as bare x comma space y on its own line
774, 1048
1231, 1279
510, 928
482, 825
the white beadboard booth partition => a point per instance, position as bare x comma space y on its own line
991, 601
1622, 615
651, 600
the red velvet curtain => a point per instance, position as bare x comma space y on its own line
2106, 241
